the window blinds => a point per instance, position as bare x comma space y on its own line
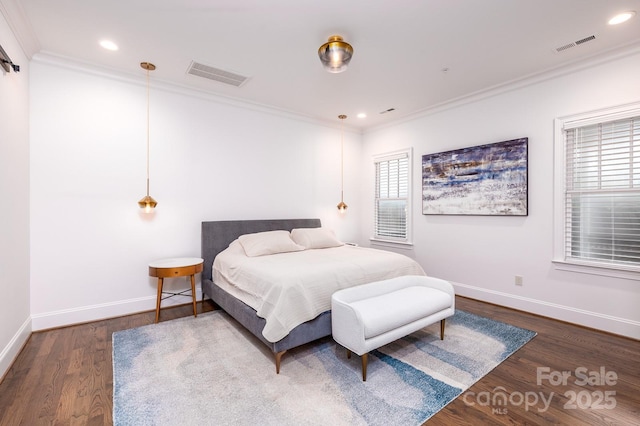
392, 189
602, 197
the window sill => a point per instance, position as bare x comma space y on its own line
591, 269
405, 245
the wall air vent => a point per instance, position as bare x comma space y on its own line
387, 110
216, 74
574, 44
586, 39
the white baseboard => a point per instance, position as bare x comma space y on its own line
101, 311
11, 351
596, 320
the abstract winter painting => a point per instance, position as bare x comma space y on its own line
480, 180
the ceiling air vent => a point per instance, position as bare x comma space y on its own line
574, 44
216, 74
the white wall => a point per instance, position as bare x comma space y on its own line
90, 244
482, 255
15, 323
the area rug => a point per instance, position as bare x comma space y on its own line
210, 371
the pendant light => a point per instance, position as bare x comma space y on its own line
335, 54
342, 206
147, 203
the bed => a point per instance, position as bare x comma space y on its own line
217, 236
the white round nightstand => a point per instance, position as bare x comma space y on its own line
176, 267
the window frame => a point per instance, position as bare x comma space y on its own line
561, 124
384, 240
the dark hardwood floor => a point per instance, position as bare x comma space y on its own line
64, 376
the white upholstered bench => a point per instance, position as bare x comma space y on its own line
366, 317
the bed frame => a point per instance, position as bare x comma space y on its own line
216, 236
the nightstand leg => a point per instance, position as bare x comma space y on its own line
193, 295
159, 299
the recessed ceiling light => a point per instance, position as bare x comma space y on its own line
622, 17
362, 115
109, 45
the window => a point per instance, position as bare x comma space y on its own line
393, 197
600, 199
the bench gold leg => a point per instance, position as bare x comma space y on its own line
365, 358
442, 329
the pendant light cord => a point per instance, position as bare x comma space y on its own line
148, 127
342, 161
342, 117
148, 203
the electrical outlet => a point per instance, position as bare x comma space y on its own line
518, 279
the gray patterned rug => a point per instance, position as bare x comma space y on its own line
209, 371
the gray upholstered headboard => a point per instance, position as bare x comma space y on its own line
216, 236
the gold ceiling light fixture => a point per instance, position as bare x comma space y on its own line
147, 203
335, 54
342, 206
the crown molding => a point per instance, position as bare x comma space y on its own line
52, 59
20, 26
519, 83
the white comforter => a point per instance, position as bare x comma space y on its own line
288, 289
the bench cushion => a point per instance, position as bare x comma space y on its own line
380, 314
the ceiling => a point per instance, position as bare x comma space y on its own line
409, 56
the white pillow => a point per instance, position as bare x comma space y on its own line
269, 242
315, 238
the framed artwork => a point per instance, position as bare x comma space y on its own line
487, 179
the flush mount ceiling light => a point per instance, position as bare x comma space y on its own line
622, 17
335, 54
342, 206
147, 203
